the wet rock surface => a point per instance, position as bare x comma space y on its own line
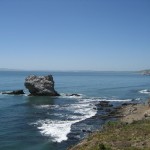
73, 95
105, 104
15, 92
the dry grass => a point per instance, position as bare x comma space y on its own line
119, 136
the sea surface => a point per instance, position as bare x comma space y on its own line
55, 123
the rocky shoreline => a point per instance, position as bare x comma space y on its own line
135, 112
130, 131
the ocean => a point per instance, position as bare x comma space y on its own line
56, 123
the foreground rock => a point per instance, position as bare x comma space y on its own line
40, 85
16, 92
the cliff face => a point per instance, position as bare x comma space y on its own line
40, 85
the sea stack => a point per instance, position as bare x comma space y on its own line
40, 85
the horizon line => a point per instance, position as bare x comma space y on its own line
46, 70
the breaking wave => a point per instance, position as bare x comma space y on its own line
146, 91
65, 115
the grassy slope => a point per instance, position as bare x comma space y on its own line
119, 136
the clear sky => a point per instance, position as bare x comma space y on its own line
75, 34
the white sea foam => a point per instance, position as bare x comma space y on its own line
59, 129
63, 95
138, 99
118, 100
43, 106
46, 106
103, 99
26, 94
146, 91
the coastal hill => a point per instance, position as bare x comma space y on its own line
7, 69
145, 72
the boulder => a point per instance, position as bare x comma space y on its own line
147, 113
40, 85
73, 95
87, 131
16, 92
105, 104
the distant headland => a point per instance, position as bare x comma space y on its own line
145, 72
7, 69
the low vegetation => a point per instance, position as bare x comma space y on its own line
119, 136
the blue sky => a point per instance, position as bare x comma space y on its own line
75, 34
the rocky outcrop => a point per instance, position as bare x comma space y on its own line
16, 92
105, 104
73, 95
145, 72
40, 85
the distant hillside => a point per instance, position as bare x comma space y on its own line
145, 72
6, 69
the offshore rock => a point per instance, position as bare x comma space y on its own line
40, 85
105, 104
16, 92
73, 95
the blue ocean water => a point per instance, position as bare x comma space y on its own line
46, 123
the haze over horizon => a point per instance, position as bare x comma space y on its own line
47, 70
75, 35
